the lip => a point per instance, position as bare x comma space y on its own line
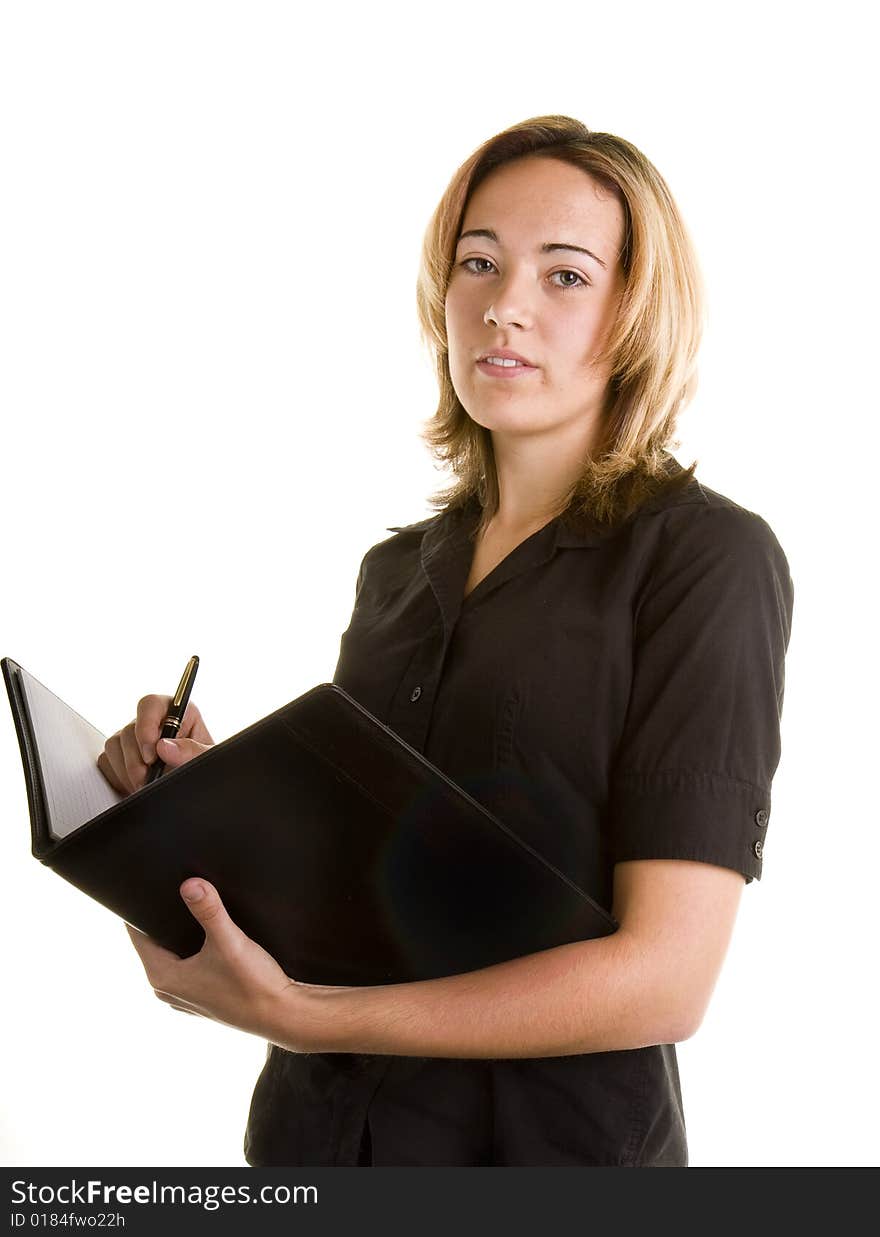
506, 354
505, 371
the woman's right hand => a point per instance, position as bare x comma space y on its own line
128, 753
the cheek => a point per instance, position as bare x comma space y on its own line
456, 325
455, 310
454, 345
465, 298
577, 340
458, 373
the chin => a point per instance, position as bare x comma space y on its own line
508, 423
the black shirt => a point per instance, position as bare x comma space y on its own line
609, 694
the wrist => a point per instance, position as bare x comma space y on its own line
306, 1018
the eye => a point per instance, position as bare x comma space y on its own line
567, 279
579, 280
468, 267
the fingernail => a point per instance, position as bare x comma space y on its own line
171, 743
194, 893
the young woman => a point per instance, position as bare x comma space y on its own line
587, 640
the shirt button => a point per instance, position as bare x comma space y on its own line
759, 848
761, 818
416, 692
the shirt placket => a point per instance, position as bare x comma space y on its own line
445, 562
445, 565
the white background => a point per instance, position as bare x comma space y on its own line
212, 389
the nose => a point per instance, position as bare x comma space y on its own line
510, 306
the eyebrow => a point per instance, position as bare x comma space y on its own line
549, 247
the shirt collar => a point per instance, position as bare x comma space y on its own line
437, 529
571, 532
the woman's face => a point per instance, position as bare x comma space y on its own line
523, 283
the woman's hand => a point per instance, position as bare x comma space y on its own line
128, 754
232, 979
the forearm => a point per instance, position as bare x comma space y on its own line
593, 996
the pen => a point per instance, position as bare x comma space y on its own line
174, 716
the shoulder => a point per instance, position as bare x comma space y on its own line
401, 553
668, 513
701, 551
698, 520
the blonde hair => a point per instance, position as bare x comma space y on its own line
652, 346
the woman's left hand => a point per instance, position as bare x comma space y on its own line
231, 979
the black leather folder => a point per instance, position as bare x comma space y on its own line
332, 842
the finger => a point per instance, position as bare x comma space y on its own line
176, 1002
154, 957
193, 727
113, 752
131, 754
151, 713
178, 751
107, 769
205, 906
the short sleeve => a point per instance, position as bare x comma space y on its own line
362, 571
692, 773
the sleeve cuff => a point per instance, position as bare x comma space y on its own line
682, 814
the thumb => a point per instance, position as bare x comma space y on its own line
174, 752
205, 905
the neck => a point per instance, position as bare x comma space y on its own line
535, 476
